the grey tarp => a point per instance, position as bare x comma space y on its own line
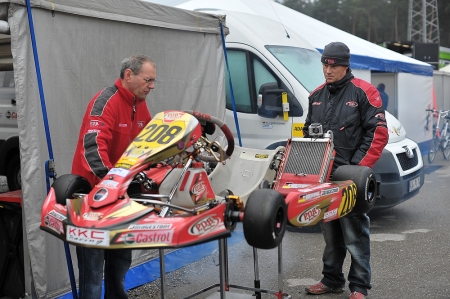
81, 44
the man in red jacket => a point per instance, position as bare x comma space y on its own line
113, 118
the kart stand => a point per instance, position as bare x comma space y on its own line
224, 284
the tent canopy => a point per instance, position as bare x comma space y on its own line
364, 55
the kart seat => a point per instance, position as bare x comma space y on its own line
244, 171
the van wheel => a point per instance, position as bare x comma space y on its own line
265, 219
13, 174
68, 184
366, 185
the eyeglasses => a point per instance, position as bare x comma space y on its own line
147, 80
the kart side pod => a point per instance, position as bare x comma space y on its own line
303, 177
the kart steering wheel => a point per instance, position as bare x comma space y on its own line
225, 130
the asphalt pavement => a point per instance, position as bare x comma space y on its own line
410, 255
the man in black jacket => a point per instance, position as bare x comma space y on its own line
352, 109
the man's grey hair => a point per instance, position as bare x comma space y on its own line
134, 63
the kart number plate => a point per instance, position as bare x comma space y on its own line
414, 184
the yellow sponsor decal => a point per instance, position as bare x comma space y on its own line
158, 133
261, 156
348, 200
122, 165
297, 129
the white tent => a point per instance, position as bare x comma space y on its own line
80, 45
441, 83
408, 82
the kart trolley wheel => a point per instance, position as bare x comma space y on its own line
68, 184
265, 219
366, 185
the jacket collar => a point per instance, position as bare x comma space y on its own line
127, 95
335, 86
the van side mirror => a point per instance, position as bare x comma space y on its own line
269, 100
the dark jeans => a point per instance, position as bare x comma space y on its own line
90, 265
351, 233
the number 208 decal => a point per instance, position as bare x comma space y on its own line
348, 199
159, 133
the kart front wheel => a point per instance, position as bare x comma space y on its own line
265, 219
68, 184
366, 185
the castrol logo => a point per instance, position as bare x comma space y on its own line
309, 215
204, 226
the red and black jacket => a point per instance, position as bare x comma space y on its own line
353, 111
113, 118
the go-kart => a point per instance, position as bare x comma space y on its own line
158, 195
163, 193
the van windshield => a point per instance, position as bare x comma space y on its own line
303, 64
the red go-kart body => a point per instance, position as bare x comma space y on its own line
160, 194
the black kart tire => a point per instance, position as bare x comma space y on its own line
13, 174
68, 184
434, 146
366, 185
265, 219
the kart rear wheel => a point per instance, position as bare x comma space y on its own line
366, 185
265, 219
434, 146
68, 184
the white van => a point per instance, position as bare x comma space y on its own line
9, 132
265, 61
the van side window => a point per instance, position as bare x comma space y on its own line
237, 61
248, 73
262, 75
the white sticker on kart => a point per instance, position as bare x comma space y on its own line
255, 156
54, 224
146, 237
204, 226
109, 183
119, 171
87, 236
57, 215
295, 186
153, 226
329, 214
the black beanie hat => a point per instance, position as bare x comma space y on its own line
336, 53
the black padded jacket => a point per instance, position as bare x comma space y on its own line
352, 109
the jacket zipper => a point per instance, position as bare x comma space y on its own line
132, 117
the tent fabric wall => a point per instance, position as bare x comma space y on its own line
81, 44
411, 111
441, 84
